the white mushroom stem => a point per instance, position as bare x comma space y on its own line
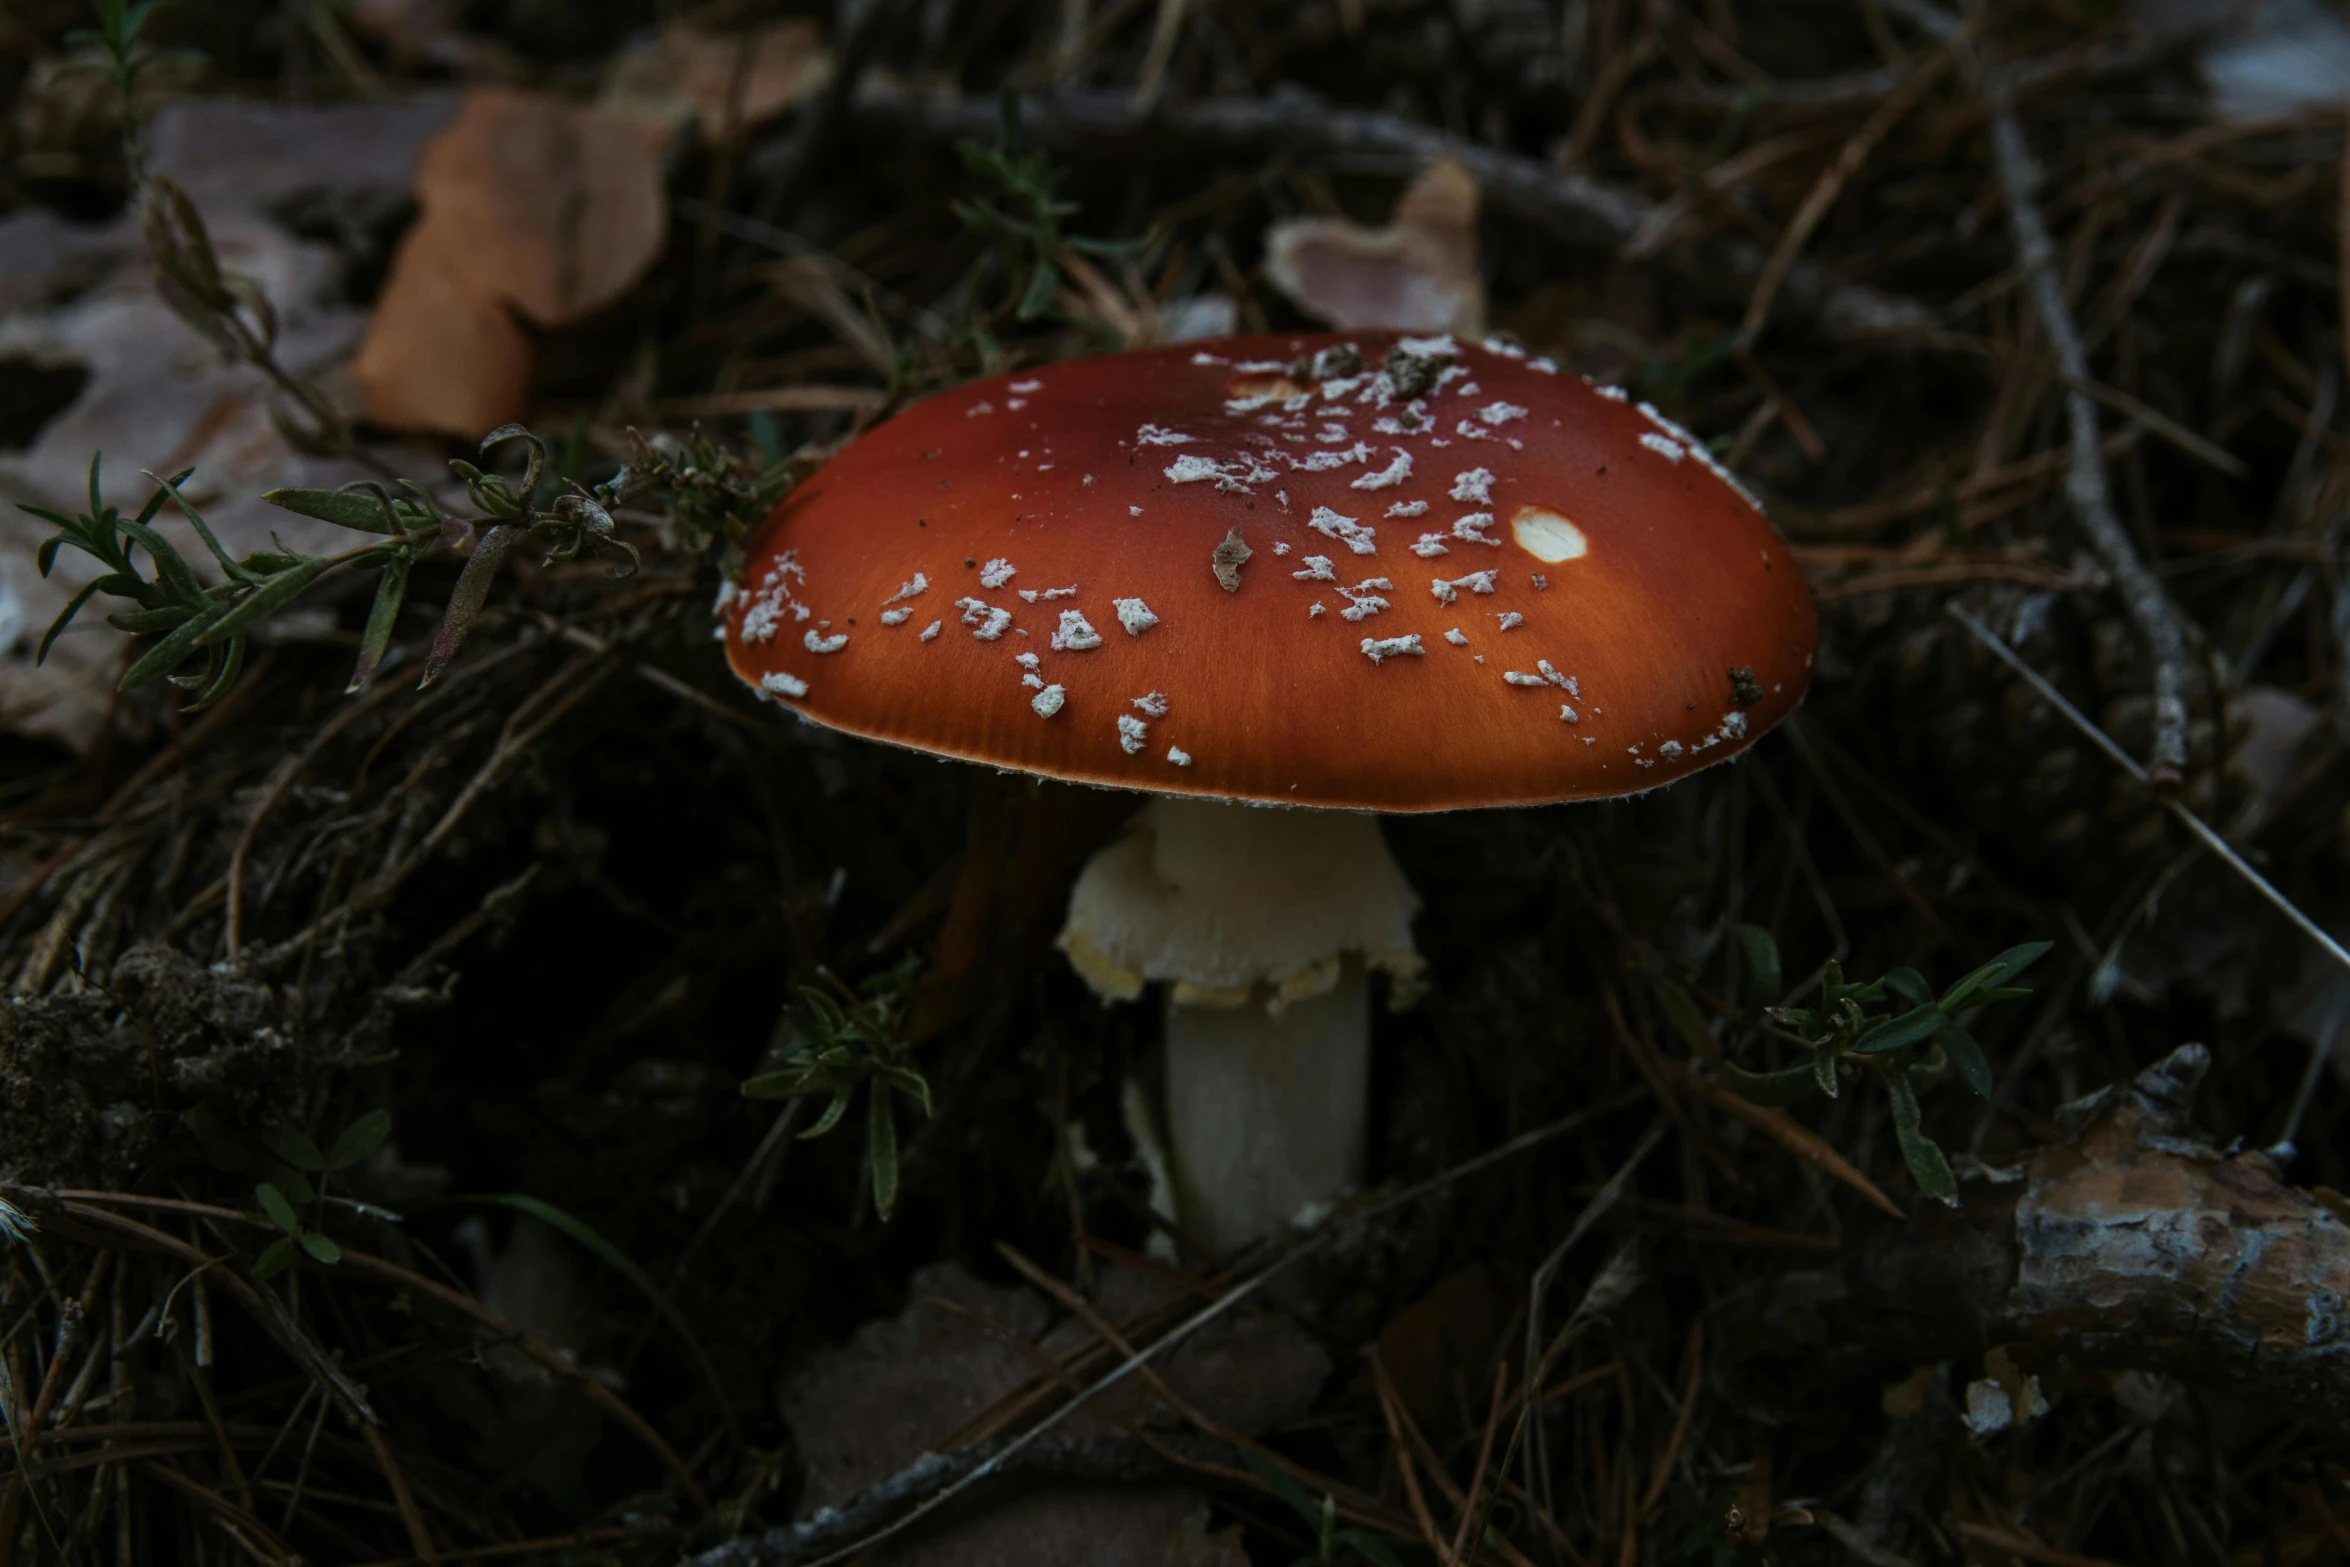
1266, 1112
1263, 924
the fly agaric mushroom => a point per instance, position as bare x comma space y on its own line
1342, 573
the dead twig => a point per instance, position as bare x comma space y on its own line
1788, 1133
2088, 491
1530, 1427
1470, 1508
1390, 1410
1582, 209
1822, 197
2204, 832
934, 1481
419, 1537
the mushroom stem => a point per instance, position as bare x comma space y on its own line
1266, 1111
1264, 925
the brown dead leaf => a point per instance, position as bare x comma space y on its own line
561, 206
531, 204
1749, 1520
442, 355
1418, 274
1440, 1348
722, 82
1905, 1398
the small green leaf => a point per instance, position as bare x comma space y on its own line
228, 563
910, 1083
534, 465
344, 508
773, 1085
466, 600
73, 607
1043, 283
1278, 1481
273, 595
881, 1150
1993, 974
226, 665
1368, 1546
287, 1179
1967, 1057
1790, 1086
322, 1247
383, 617
361, 1138
1898, 1033
295, 1147
171, 568
1910, 986
148, 622
1823, 1070
165, 656
1762, 963
72, 525
154, 507
275, 1258
281, 1212
1921, 1153
832, 1114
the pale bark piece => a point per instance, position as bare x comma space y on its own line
1417, 274
2133, 1247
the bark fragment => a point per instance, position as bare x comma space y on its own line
2135, 1246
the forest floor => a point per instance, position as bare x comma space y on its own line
377, 1182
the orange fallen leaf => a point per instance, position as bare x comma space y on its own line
1418, 274
529, 203
442, 355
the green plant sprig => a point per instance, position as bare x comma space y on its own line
1855, 1031
710, 497
1333, 1546
1024, 215
845, 1041
117, 36
297, 1173
190, 620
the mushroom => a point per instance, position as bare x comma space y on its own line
1335, 575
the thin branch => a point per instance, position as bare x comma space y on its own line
1297, 124
2204, 832
1537, 1364
2087, 490
935, 1480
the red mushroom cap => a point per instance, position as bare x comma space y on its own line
1270, 569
